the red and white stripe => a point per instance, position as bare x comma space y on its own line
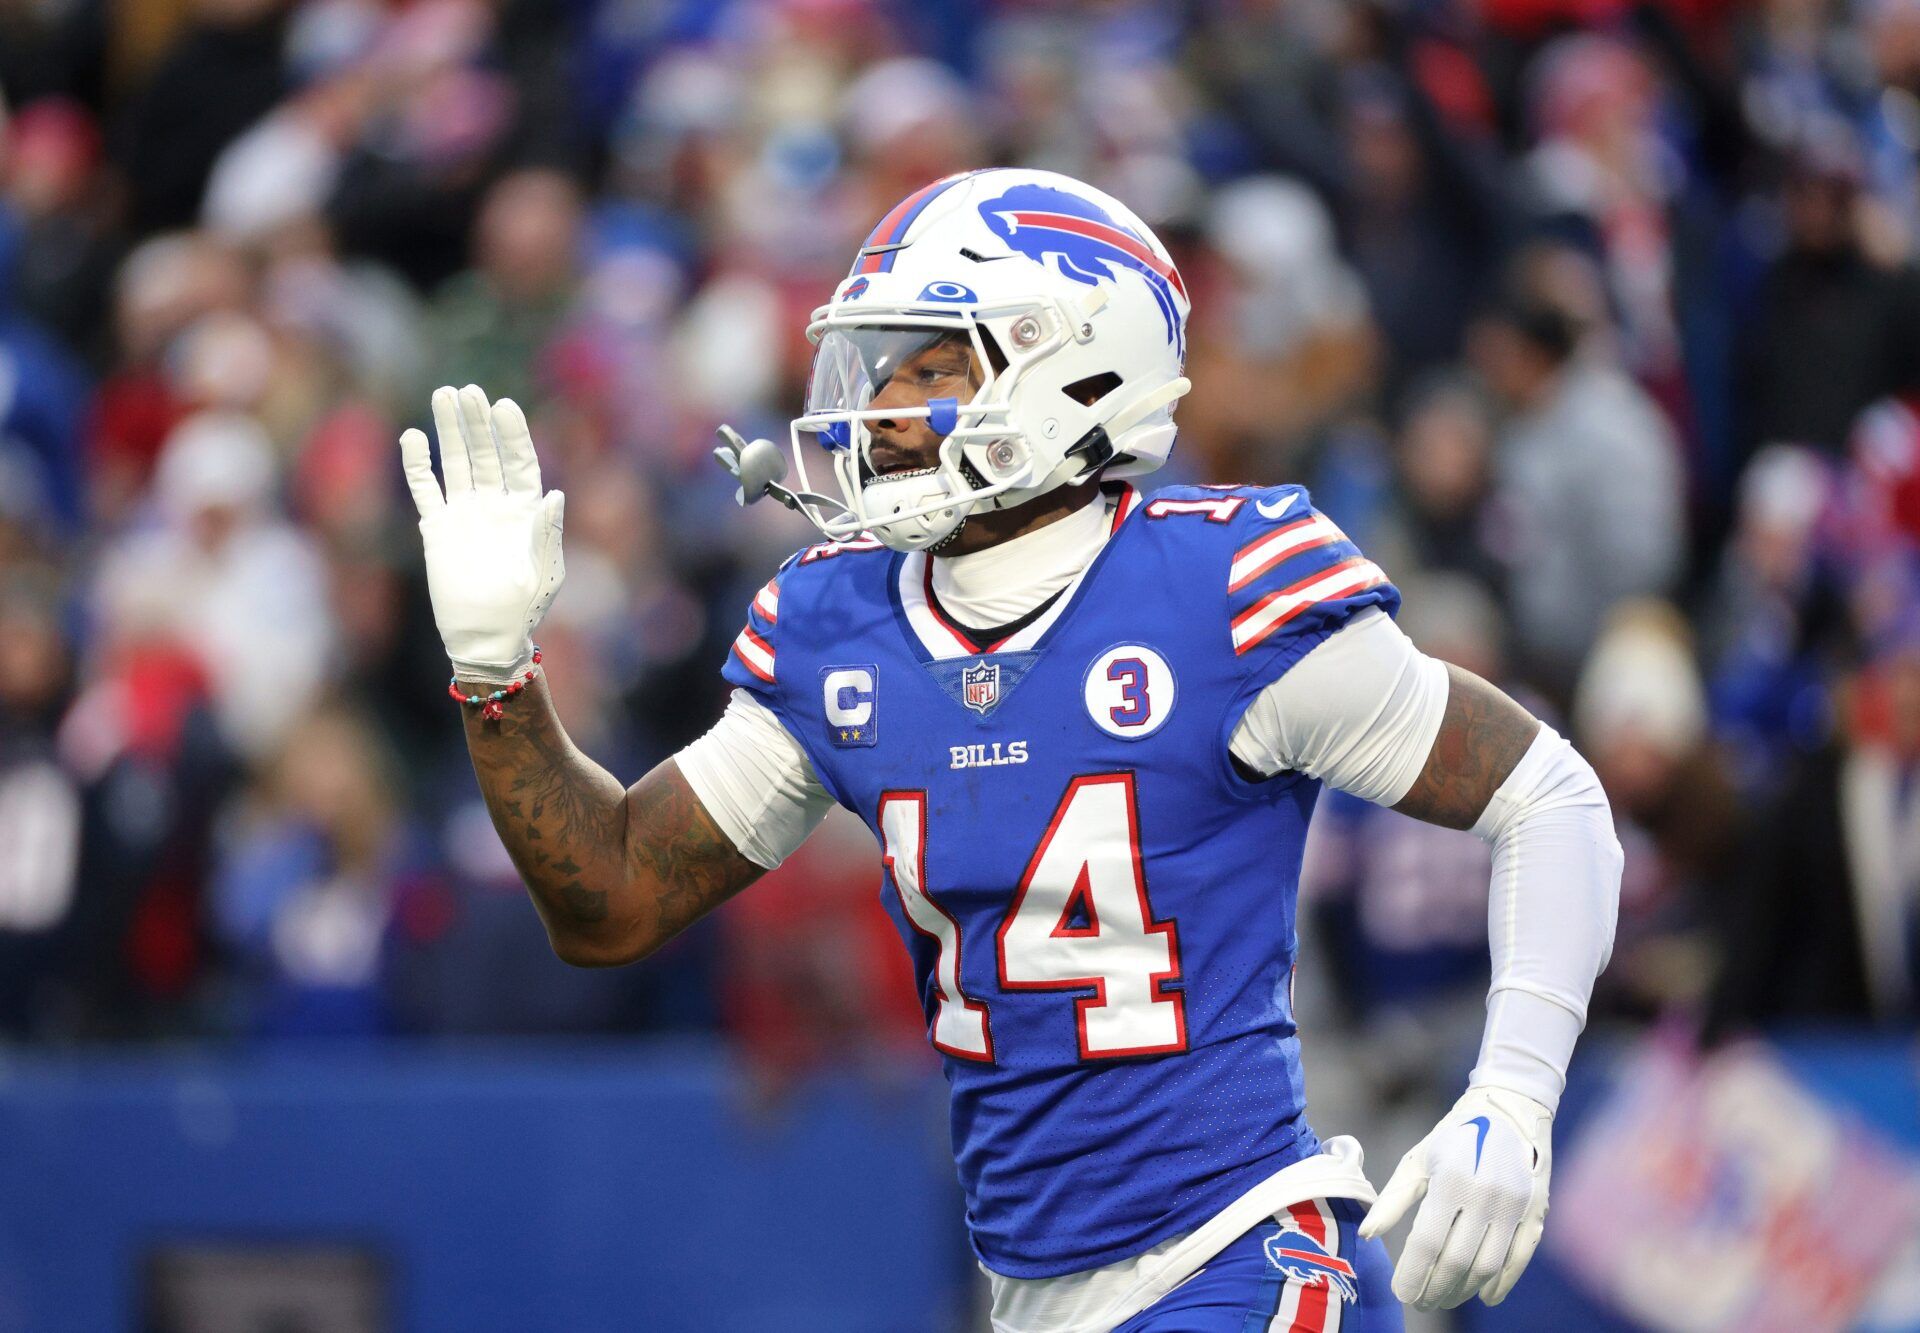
755, 653
1314, 1309
1256, 558
1127, 501
1101, 231
1267, 615
767, 602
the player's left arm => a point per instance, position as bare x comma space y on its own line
1482, 738
1367, 712
1483, 1172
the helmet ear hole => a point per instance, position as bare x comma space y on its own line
1093, 388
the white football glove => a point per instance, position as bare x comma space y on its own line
1484, 1174
493, 542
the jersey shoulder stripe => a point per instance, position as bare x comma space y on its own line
1287, 558
767, 601
1287, 569
1272, 612
1263, 554
755, 653
753, 657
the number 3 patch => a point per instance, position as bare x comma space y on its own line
1130, 691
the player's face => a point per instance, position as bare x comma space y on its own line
945, 369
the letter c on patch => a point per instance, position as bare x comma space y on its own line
849, 700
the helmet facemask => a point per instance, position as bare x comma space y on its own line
984, 460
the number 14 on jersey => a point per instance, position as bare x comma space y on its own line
1079, 921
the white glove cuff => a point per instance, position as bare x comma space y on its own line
498, 674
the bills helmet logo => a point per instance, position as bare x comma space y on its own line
980, 686
1081, 241
1304, 1260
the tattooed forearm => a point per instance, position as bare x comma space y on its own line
1482, 737
614, 872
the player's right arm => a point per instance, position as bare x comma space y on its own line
614, 871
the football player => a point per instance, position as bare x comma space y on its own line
1086, 726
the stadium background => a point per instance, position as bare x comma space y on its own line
1593, 322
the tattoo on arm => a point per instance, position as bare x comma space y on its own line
1482, 736
674, 845
615, 873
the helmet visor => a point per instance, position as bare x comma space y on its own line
853, 365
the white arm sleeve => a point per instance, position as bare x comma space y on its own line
1550, 917
1361, 712
756, 781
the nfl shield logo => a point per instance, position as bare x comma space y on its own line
980, 686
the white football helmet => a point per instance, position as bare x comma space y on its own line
1077, 318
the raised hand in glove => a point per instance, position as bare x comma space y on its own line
493, 540
1484, 1173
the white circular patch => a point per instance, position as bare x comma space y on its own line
1129, 691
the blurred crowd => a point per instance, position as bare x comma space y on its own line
1594, 322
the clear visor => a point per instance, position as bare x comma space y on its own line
852, 365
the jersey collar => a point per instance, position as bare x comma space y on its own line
939, 639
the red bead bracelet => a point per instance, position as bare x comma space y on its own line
493, 706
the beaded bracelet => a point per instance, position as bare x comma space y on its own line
493, 706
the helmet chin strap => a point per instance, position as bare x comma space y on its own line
908, 491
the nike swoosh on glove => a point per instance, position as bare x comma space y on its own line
494, 560
1484, 1173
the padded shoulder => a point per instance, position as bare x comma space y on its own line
805, 580
1289, 574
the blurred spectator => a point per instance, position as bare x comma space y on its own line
1774, 611
1602, 164
140, 739
51, 198
1640, 715
39, 804
221, 72
1442, 516
1424, 208
428, 137
490, 325
306, 890
163, 287
243, 588
1824, 336
1401, 905
1589, 482
1281, 343
1828, 927
42, 393
813, 970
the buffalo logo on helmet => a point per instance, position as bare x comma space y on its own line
1083, 242
1304, 1260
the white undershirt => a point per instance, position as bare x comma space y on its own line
1360, 711
1002, 583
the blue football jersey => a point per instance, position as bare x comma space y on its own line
1099, 906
